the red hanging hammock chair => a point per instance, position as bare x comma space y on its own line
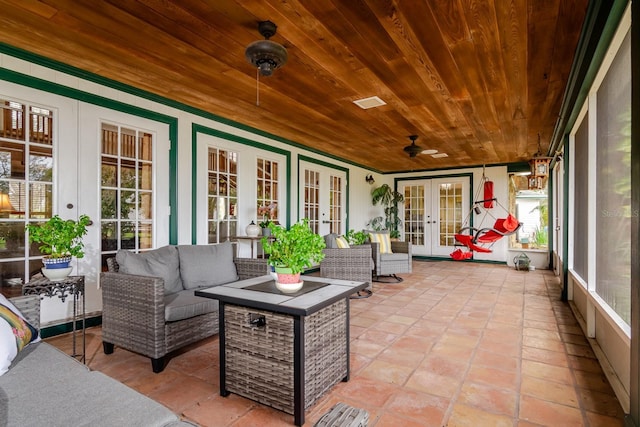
482, 239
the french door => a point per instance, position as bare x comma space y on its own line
432, 212
323, 197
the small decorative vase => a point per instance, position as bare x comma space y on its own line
253, 230
286, 276
56, 274
54, 263
266, 232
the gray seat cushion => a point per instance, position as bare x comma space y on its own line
162, 262
45, 387
394, 257
184, 305
203, 266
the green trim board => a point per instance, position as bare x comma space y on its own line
303, 158
63, 328
195, 130
85, 75
172, 122
424, 258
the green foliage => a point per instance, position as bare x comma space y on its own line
388, 198
60, 237
540, 237
543, 210
356, 237
296, 248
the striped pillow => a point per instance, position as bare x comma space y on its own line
342, 243
383, 239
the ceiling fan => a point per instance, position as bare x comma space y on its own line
413, 149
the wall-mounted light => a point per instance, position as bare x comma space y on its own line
370, 179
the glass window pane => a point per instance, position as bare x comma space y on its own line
41, 165
213, 232
41, 121
128, 143
12, 164
128, 205
128, 174
109, 175
146, 146
41, 200
109, 236
127, 235
109, 203
109, 140
145, 177
146, 206
12, 124
145, 236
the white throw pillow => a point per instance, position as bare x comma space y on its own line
15, 333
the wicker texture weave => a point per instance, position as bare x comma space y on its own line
133, 312
29, 306
260, 360
385, 267
354, 263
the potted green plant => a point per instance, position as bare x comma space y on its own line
389, 199
291, 251
60, 241
356, 238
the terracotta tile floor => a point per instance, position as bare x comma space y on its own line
453, 345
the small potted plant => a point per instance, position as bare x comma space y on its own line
291, 251
60, 241
356, 238
268, 213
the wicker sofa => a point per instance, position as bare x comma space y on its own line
46, 387
148, 301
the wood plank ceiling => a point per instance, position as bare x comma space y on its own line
477, 80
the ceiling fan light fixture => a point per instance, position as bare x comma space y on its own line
266, 55
413, 150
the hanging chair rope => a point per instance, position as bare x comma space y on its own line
482, 240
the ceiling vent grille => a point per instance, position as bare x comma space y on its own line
370, 102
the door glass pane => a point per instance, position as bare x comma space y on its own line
311, 199
267, 200
450, 221
222, 194
335, 205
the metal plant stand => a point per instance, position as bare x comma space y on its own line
69, 286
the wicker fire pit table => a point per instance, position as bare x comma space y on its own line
284, 350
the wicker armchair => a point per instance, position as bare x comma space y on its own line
394, 263
354, 263
133, 313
